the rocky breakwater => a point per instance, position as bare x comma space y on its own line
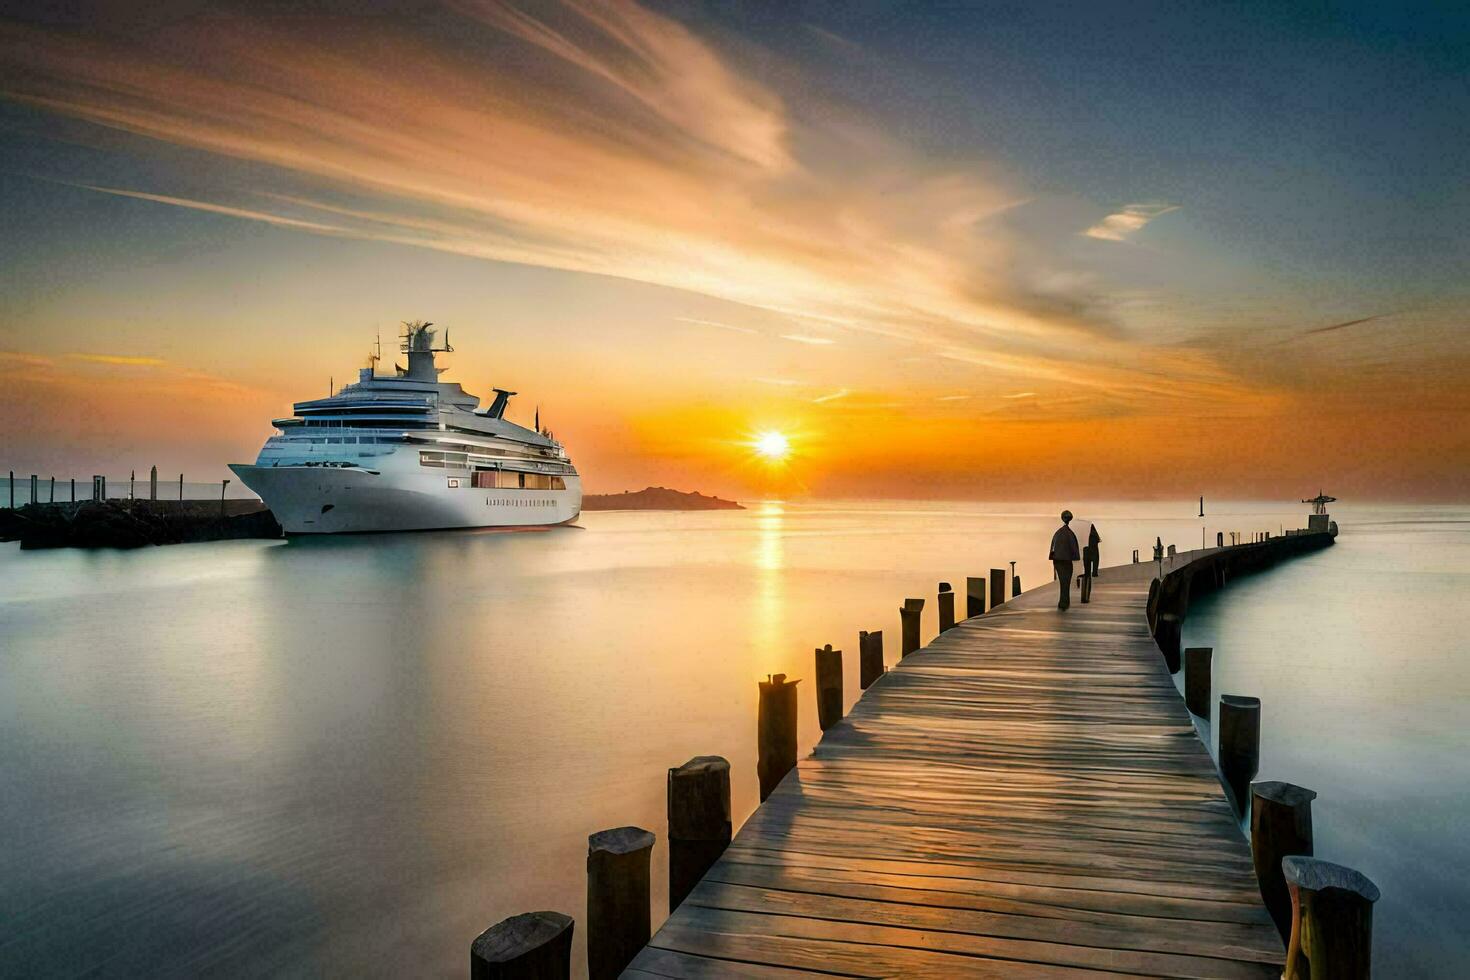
135, 523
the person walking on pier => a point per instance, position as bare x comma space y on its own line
1090, 553
1063, 553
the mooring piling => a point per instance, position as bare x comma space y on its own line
997, 588
946, 607
699, 821
530, 946
618, 916
1197, 680
870, 657
1240, 746
829, 686
775, 732
1331, 920
908, 617
1281, 827
974, 596
35, 493
153, 483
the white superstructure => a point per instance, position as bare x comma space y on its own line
409, 452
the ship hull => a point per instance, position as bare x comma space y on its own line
354, 500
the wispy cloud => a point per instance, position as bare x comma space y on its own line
714, 323
1124, 224
124, 360
824, 399
1021, 394
954, 398
607, 138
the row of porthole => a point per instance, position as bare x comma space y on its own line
512, 502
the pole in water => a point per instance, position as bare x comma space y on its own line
73, 489
531, 945
946, 607
618, 916
775, 732
181, 487
974, 596
52, 498
12, 489
153, 483
1331, 920
997, 587
1281, 826
699, 821
1197, 680
35, 494
1240, 746
908, 617
829, 686
870, 657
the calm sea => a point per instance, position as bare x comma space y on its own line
351, 755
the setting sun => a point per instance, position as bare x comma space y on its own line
772, 445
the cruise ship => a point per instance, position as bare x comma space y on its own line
408, 452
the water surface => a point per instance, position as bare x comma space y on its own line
351, 755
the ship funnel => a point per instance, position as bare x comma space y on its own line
497, 407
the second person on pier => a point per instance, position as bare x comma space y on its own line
1064, 552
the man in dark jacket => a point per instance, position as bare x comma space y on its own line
1064, 551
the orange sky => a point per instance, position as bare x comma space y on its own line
671, 237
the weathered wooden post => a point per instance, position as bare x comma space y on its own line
974, 596
73, 489
132, 483
908, 617
946, 607
1281, 826
1331, 920
35, 493
51, 498
532, 946
1135, 556
1219, 539
1168, 627
1197, 680
699, 822
12, 489
1015, 586
618, 918
153, 483
1240, 745
997, 588
775, 732
829, 686
181, 486
1173, 551
870, 657
1086, 590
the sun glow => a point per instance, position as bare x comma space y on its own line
773, 446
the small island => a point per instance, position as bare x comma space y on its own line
655, 498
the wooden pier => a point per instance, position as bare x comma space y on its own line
1026, 796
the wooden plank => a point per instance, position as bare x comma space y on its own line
1024, 797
